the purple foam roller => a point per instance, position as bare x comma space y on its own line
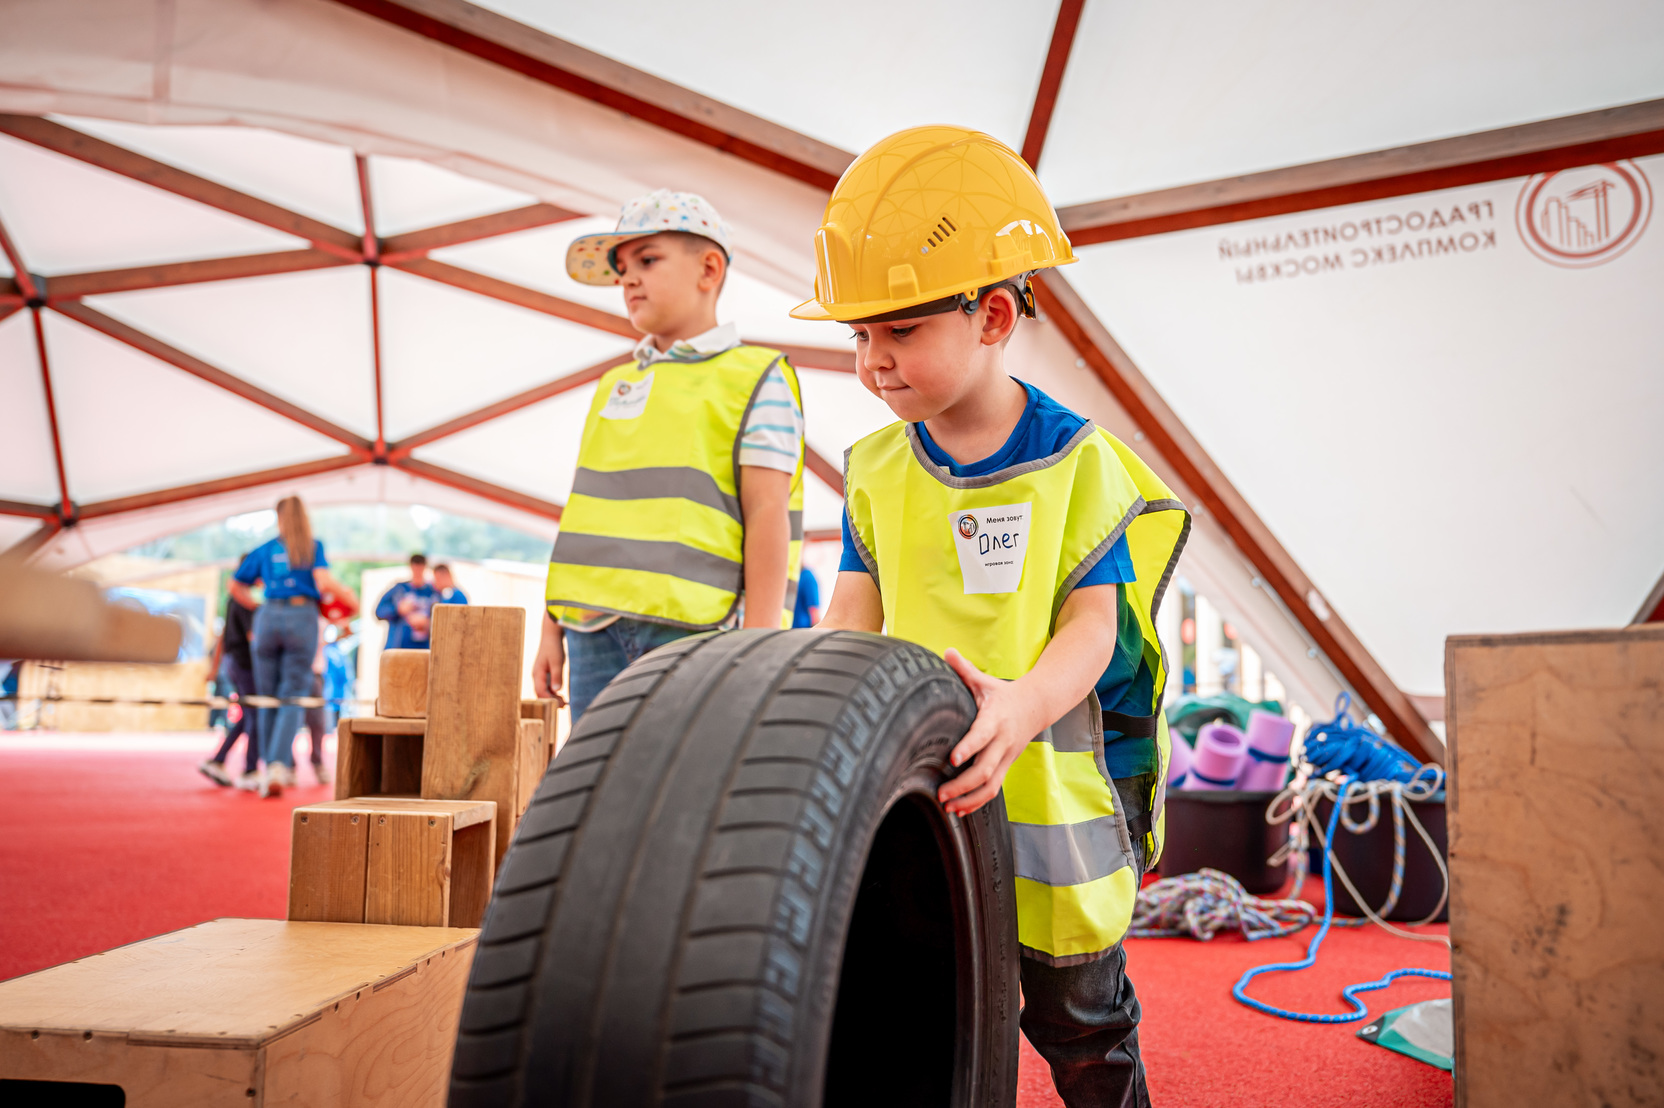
1269, 737
1178, 766
1220, 753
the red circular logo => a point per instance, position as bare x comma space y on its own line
967, 525
1585, 216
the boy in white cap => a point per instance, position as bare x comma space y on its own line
688, 497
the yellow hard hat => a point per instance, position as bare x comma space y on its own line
928, 214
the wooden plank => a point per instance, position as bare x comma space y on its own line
450, 478
273, 476
463, 813
403, 684
1610, 134
408, 868
473, 850
388, 725
1051, 79
48, 615
357, 761
533, 761
73, 286
1063, 307
549, 712
416, 244
509, 293
473, 731
326, 865
1557, 866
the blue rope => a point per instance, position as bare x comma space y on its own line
1359, 1009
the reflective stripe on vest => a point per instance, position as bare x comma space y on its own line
653, 528
1075, 883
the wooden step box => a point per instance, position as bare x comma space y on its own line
242, 1012
478, 739
423, 863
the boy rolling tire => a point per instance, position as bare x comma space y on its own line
735, 886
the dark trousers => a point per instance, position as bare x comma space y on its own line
315, 724
242, 680
1083, 1020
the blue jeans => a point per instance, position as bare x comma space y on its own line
596, 657
285, 642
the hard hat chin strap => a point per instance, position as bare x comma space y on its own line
1021, 291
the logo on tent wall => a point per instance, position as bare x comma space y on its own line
1583, 217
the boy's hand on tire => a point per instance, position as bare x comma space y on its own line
1003, 726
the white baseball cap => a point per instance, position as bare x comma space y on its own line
590, 257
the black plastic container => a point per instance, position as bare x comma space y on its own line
1225, 830
1367, 859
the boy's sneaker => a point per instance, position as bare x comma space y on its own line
271, 782
250, 782
321, 772
215, 772
284, 775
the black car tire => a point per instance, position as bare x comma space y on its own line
735, 887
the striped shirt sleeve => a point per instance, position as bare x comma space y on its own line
773, 435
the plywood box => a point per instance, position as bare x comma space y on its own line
248, 1012
1557, 867
426, 863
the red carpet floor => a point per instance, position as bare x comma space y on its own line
100, 847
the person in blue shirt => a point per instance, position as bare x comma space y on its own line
445, 585
407, 607
294, 569
1045, 428
807, 611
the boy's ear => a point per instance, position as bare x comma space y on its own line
713, 269
999, 316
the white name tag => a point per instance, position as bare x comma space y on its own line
628, 399
992, 543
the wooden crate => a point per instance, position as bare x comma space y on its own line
241, 1012
474, 745
377, 756
1557, 867
426, 863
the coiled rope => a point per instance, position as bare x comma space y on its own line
1337, 754
1203, 903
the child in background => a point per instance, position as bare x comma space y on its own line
1025, 545
689, 489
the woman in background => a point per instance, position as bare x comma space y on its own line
294, 570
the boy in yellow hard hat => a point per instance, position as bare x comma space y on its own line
1027, 546
688, 495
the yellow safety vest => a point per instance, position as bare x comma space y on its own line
653, 529
983, 564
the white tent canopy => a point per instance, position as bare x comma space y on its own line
1406, 438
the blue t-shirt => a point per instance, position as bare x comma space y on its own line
270, 563
808, 596
400, 635
1045, 428
453, 596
